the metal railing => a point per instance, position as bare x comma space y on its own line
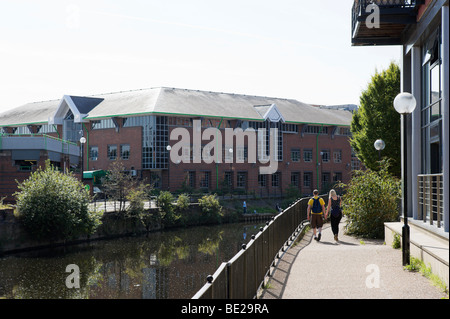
430, 198
38, 142
243, 275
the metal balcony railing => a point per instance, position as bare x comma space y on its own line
38, 142
431, 198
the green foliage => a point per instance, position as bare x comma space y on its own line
211, 208
117, 184
376, 118
55, 206
167, 210
371, 199
183, 202
396, 243
137, 197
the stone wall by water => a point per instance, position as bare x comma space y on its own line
13, 236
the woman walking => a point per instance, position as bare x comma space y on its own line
334, 203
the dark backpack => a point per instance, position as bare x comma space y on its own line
316, 206
335, 209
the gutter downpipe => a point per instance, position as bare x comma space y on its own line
217, 156
87, 148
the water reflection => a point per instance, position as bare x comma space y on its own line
165, 265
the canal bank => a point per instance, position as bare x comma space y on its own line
14, 238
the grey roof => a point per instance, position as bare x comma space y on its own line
171, 101
31, 113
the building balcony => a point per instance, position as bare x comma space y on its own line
38, 142
394, 17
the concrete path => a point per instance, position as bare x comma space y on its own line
348, 269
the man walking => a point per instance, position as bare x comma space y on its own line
316, 207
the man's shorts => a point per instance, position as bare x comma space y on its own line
316, 220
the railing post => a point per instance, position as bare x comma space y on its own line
430, 200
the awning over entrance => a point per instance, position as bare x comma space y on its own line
94, 175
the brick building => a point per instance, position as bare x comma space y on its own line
310, 148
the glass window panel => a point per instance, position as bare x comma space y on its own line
435, 93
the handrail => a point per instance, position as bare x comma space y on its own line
244, 274
430, 196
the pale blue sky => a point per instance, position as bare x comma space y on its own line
286, 48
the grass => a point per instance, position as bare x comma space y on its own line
418, 265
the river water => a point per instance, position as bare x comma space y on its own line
164, 265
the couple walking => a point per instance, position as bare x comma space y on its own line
316, 211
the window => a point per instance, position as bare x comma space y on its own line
276, 179
326, 179
241, 179
295, 179
125, 151
93, 153
228, 179
355, 163
307, 179
191, 179
155, 138
205, 179
337, 177
289, 128
325, 156
432, 105
42, 129
262, 180
241, 154
316, 129
112, 152
307, 155
345, 131
102, 124
295, 155
337, 156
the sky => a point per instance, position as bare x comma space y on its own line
286, 48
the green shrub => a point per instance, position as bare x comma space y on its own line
371, 200
55, 206
167, 210
211, 208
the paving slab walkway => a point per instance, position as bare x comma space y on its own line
348, 269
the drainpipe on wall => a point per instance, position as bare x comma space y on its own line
87, 147
217, 158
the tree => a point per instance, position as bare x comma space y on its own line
54, 206
376, 118
167, 210
211, 208
118, 184
370, 200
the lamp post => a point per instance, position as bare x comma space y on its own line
405, 103
379, 146
82, 142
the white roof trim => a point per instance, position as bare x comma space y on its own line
65, 104
274, 114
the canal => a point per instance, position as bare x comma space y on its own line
163, 265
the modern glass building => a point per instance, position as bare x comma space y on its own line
421, 29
